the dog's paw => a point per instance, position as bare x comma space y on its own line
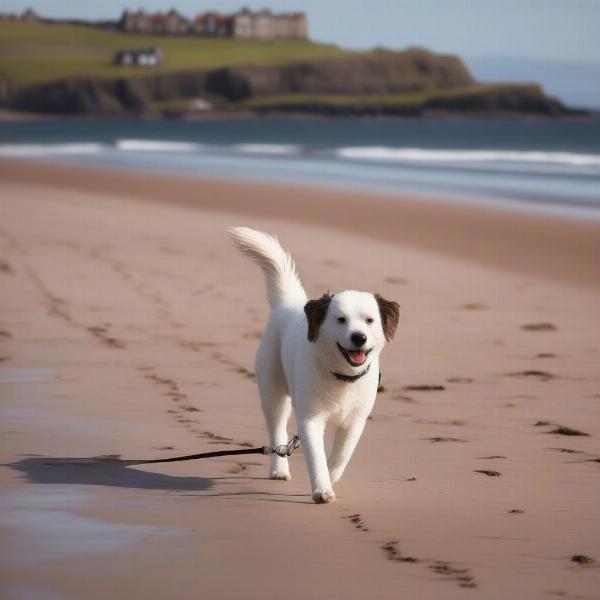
280, 474
323, 496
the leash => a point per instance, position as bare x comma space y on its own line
284, 450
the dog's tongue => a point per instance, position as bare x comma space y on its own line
357, 356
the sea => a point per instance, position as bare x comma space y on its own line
548, 166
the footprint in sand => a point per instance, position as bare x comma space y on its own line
396, 280
182, 407
392, 552
582, 559
564, 430
228, 362
357, 521
533, 374
538, 327
459, 575
474, 306
237, 468
488, 472
331, 263
438, 439
424, 388
454, 422
560, 430
102, 333
403, 398
6, 268
197, 346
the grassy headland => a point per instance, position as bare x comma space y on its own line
33, 53
69, 69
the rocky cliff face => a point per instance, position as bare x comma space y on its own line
378, 72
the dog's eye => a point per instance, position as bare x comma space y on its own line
341, 319
369, 320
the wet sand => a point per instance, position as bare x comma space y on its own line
128, 326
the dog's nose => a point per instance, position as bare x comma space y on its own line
358, 338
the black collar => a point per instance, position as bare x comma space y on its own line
351, 378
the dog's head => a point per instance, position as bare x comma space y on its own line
349, 328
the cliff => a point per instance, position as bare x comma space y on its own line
415, 82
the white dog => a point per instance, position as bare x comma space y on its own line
321, 356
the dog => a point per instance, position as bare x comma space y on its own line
319, 356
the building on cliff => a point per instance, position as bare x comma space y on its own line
140, 57
171, 23
266, 25
244, 24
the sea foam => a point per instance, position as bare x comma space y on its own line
274, 149
157, 146
49, 149
388, 154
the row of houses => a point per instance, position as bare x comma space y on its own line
245, 24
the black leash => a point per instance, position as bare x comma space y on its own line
284, 450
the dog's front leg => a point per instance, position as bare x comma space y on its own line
312, 432
346, 438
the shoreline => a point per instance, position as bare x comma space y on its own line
550, 246
583, 115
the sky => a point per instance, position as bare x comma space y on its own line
567, 30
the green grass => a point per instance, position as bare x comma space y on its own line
38, 52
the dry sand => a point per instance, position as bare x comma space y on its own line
128, 326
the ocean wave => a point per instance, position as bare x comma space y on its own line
157, 146
388, 154
49, 149
287, 149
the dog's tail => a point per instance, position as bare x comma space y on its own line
282, 281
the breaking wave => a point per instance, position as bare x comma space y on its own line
387, 154
273, 149
49, 149
157, 146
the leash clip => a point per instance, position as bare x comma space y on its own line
285, 449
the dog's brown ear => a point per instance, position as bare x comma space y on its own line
316, 311
390, 313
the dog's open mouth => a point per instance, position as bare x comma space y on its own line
355, 358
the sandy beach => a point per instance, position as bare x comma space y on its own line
128, 326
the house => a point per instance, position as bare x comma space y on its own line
213, 24
175, 23
135, 22
171, 23
266, 25
140, 57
